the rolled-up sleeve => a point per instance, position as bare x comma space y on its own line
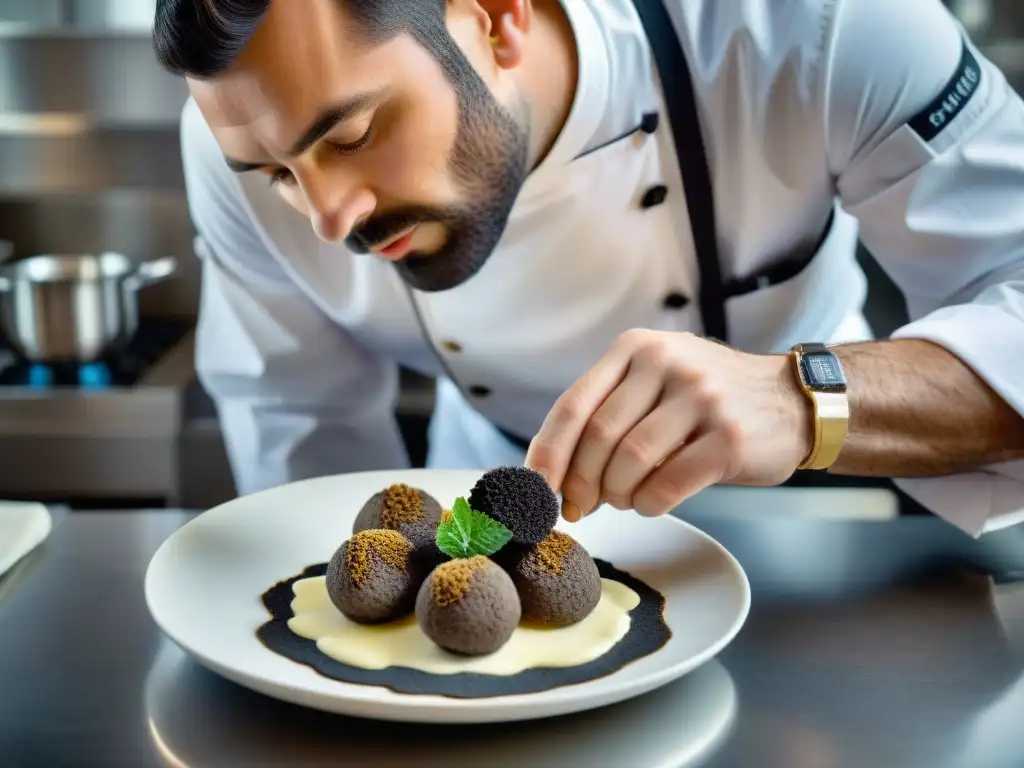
925, 139
297, 397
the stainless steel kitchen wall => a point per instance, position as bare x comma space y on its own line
990, 19
89, 156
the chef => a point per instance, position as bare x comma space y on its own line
620, 233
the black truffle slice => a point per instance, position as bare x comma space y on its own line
373, 577
520, 499
557, 581
468, 606
411, 511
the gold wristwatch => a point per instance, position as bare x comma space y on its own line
822, 379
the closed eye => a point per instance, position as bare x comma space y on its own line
282, 175
355, 146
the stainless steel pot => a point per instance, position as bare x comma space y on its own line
74, 308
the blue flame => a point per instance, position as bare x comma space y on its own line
40, 376
94, 376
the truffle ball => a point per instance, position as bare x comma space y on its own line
411, 511
520, 499
557, 581
373, 577
508, 557
468, 606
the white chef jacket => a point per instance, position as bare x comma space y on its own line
805, 106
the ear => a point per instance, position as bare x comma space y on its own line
510, 22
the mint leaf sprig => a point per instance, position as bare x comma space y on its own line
466, 533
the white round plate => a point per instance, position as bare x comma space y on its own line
203, 589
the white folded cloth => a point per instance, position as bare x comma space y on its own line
23, 527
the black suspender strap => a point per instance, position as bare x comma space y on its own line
684, 121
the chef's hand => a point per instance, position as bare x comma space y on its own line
664, 415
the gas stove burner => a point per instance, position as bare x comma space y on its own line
153, 340
85, 375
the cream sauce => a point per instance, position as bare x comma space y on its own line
403, 644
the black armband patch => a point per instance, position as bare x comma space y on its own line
933, 119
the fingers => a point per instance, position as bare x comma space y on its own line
616, 417
555, 443
650, 443
609, 438
694, 467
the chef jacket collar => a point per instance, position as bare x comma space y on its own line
589, 103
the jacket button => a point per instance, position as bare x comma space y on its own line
452, 346
649, 123
676, 300
654, 196
478, 390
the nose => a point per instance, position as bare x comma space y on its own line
335, 204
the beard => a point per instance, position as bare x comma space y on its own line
489, 165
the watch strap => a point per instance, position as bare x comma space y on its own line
831, 419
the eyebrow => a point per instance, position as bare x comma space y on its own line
325, 122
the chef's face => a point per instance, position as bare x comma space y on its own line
415, 154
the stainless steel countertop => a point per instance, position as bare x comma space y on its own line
869, 644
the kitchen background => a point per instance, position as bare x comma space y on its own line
89, 163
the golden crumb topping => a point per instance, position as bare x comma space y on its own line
551, 553
391, 547
451, 580
401, 505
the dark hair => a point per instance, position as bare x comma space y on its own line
201, 38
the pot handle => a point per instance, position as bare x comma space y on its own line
152, 272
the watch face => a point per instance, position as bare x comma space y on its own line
822, 372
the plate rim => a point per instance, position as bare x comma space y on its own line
380, 702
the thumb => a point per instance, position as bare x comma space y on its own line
533, 461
